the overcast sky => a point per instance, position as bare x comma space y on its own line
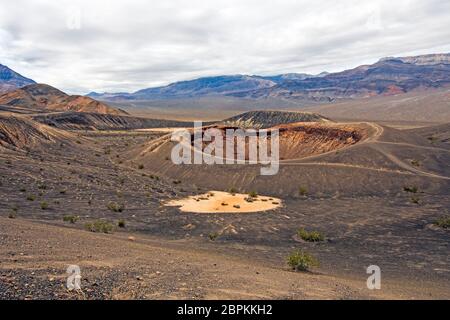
107, 45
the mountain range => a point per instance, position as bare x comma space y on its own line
388, 76
10, 80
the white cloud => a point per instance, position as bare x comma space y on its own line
107, 45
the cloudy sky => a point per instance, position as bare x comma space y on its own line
108, 45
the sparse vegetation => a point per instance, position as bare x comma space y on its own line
13, 213
253, 194
101, 226
44, 205
116, 207
213, 236
416, 163
302, 261
412, 189
310, 236
31, 197
415, 200
302, 191
121, 223
70, 218
443, 222
42, 186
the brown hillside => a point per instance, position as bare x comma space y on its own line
45, 97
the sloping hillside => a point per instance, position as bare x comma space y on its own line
268, 119
96, 121
23, 133
46, 98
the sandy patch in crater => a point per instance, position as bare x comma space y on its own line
225, 202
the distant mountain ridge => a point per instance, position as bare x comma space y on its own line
206, 86
10, 80
388, 76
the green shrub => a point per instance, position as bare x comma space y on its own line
415, 200
412, 189
99, 226
213, 236
121, 223
116, 207
31, 197
443, 222
13, 213
44, 205
302, 191
301, 261
253, 194
233, 191
313, 236
70, 218
415, 163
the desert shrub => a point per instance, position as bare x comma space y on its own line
415, 200
13, 213
233, 191
99, 226
213, 236
176, 181
443, 222
253, 194
302, 261
42, 186
415, 163
70, 218
141, 166
302, 191
310, 236
121, 223
62, 191
31, 197
23, 190
116, 207
44, 205
412, 189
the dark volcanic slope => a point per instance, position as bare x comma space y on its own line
267, 119
46, 98
96, 121
435, 134
23, 133
10, 80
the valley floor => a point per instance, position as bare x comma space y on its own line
173, 254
